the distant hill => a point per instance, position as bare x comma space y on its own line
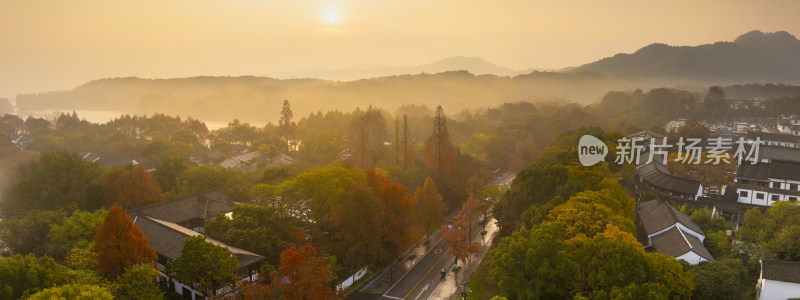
259, 99
474, 65
755, 57
752, 57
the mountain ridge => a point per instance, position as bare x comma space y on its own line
752, 57
473, 64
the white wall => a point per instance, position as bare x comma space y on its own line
778, 290
692, 258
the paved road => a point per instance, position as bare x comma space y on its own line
423, 278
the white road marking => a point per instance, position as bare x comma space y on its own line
424, 288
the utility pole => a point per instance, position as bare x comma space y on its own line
397, 140
405, 142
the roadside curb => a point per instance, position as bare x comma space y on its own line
378, 276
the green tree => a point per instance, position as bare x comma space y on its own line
714, 103
534, 264
777, 232
322, 148
534, 185
138, 282
285, 124
315, 193
169, 169
77, 230
693, 129
28, 233
707, 222
25, 275
74, 291
716, 280
204, 178
204, 263
719, 245
254, 228
57, 180
81, 259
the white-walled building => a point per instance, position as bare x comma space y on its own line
779, 280
766, 183
167, 224
671, 232
789, 124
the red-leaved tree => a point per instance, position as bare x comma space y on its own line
458, 238
302, 275
119, 244
130, 187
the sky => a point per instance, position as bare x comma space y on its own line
50, 45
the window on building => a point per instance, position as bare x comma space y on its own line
743, 194
791, 186
760, 196
776, 197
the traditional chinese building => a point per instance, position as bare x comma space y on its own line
766, 183
775, 139
666, 230
779, 280
656, 177
167, 224
789, 124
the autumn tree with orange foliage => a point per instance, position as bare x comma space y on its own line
372, 223
119, 244
302, 275
398, 213
428, 207
459, 239
130, 187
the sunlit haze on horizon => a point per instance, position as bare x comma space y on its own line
57, 45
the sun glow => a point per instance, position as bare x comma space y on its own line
332, 17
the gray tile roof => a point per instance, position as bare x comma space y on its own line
198, 206
167, 238
784, 170
160, 223
776, 137
778, 153
656, 215
675, 242
660, 177
759, 171
777, 169
780, 270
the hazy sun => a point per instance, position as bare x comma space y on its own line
332, 17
